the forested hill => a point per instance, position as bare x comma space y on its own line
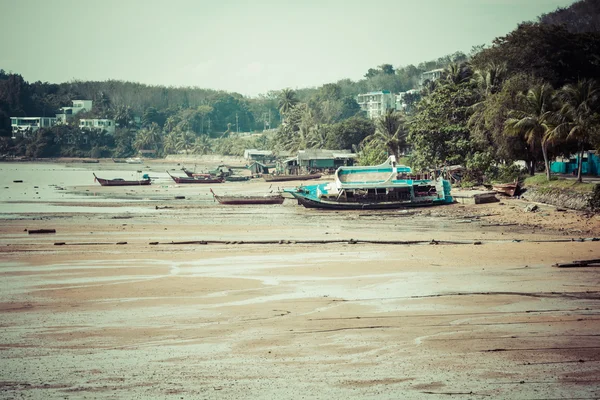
580, 17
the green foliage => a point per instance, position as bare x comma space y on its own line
438, 131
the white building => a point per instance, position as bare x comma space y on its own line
27, 125
400, 103
431, 76
68, 112
376, 103
97, 123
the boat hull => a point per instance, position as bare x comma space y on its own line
230, 200
509, 189
110, 182
331, 205
194, 180
283, 178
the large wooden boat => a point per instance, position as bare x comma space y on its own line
195, 179
237, 200
509, 189
122, 182
283, 178
384, 186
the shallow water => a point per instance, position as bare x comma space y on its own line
44, 187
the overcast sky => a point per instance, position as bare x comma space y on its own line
246, 46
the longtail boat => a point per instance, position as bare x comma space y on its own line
236, 178
388, 185
196, 179
122, 182
237, 200
509, 189
283, 178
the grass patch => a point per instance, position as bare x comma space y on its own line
540, 182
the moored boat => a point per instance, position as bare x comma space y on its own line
122, 182
244, 199
384, 186
283, 178
195, 179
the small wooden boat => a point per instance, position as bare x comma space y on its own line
236, 178
237, 200
119, 160
87, 161
509, 189
282, 178
122, 182
135, 160
195, 179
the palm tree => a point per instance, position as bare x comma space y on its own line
202, 145
533, 119
148, 138
390, 131
317, 138
578, 117
286, 100
458, 73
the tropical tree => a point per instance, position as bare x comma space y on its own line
391, 131
286, 101
578, 118
533, 119
149, 138
202, 145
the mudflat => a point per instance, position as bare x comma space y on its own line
201, 300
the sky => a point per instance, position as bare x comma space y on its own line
244, 46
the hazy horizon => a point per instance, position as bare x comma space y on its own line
249, 48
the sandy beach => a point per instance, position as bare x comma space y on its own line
142, 295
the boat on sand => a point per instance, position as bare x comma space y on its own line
195, 179
284, 178
244, 199
122, 182
383, 186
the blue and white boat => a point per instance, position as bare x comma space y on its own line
388, 185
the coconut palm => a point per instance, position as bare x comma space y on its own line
317, 138
391, 131
202, 145
577, 118
533, 119
149, 138
286, 100
458, 73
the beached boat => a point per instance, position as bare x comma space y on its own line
283, 178
236, 178
509, 189
195, 179
388, 185
243, 199
119, 160
135, 160
122, 182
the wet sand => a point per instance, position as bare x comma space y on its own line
484, 317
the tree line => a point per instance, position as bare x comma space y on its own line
530, 96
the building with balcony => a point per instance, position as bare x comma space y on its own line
66, 113
28, 125
375, 104
431, 76
97, 123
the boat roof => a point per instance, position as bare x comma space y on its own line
382, 175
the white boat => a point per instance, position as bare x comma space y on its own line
135, 160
